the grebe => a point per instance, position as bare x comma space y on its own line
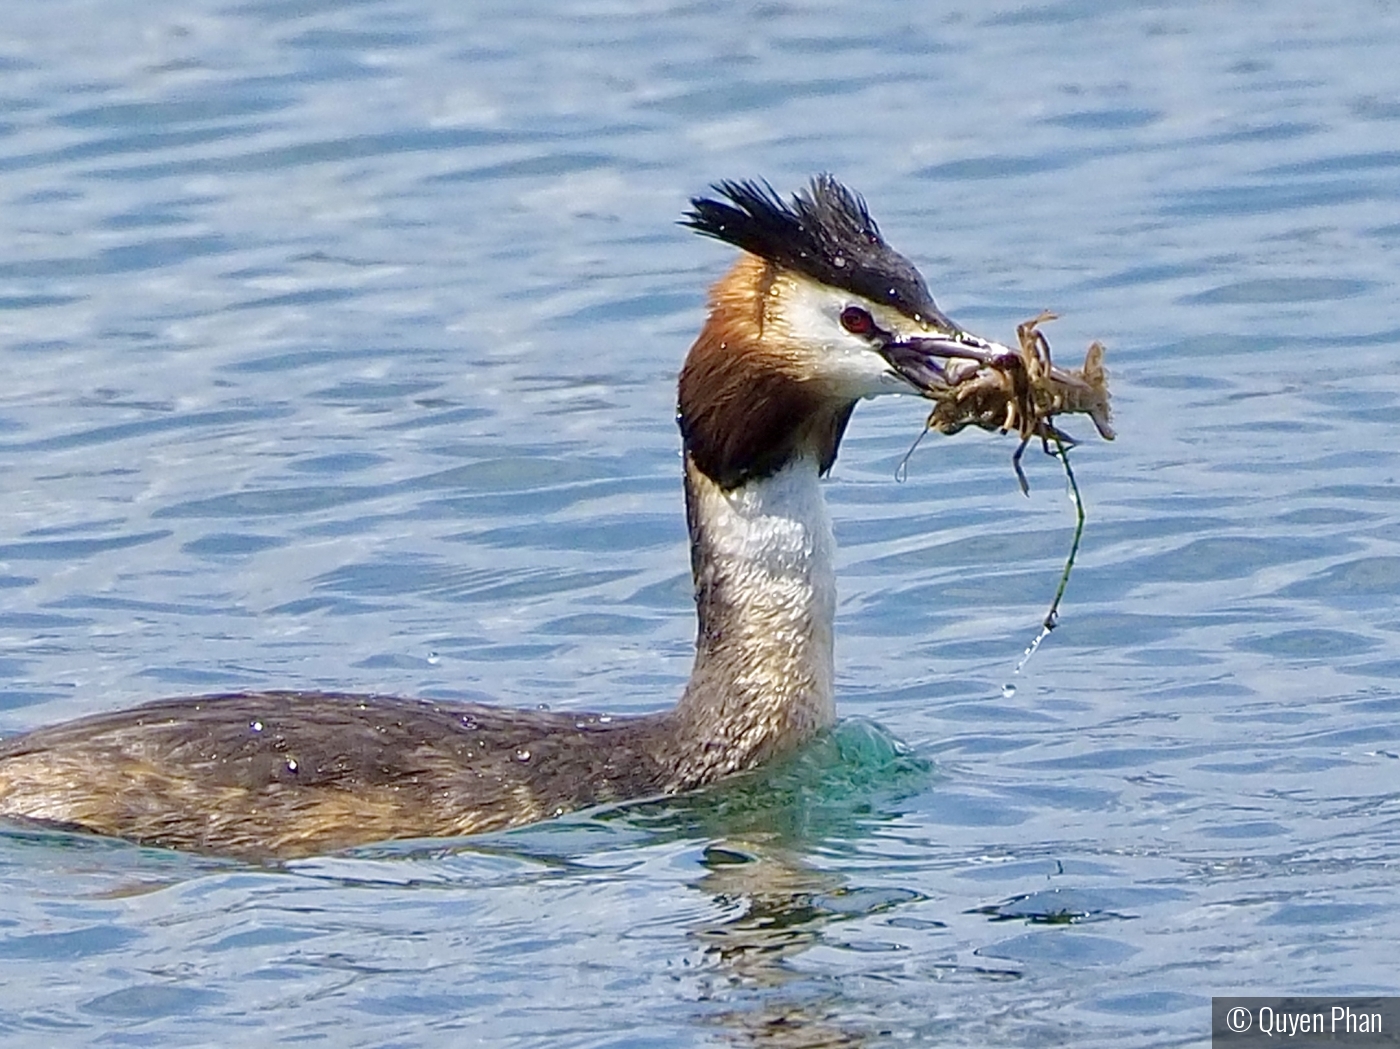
817, 314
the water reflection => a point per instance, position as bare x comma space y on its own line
776, 905
783, 909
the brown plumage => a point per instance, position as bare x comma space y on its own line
749, 401
284, 774
818, 314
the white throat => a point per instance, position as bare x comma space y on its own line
763, 559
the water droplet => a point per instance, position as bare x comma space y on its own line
291, 764
839, 262
541, 706
1008, 690
434, 659
1031, 650
256, 726
522, 755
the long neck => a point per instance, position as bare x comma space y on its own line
762, 558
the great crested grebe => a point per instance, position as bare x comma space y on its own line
817, 314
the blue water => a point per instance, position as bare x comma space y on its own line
339, 342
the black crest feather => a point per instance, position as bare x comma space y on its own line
825, 231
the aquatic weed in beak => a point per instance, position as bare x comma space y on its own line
994, 388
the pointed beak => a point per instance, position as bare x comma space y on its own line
923, 361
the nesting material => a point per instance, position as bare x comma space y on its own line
1021, 392
991, 387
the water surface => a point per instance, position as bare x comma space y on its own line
339, 344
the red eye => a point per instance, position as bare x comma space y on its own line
856, 321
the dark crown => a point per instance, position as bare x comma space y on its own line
825, 232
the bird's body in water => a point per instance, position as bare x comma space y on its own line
818, 314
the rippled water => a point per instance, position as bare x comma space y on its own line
339, 343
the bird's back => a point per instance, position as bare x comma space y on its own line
283, 774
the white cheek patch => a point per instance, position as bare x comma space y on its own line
808, 315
